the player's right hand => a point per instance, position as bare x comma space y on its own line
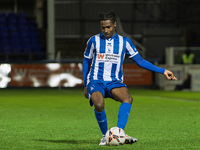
85, 92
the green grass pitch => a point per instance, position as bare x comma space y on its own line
52, 119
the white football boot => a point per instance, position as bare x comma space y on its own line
130, 140
103, 141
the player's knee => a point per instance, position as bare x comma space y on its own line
99, 107
129, 100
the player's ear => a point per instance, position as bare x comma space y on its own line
115, 24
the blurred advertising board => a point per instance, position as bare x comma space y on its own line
46, 75
135, 75
65, 75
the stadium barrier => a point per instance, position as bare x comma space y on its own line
61, 75
173, 55
181, 72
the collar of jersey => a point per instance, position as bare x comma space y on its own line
102, 36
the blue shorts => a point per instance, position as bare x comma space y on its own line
104, 87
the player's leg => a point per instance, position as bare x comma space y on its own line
122, 95
96, 95
98, 101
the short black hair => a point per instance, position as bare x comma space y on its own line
108, 16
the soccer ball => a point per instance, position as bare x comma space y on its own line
115, 136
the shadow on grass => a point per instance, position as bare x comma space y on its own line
67, 141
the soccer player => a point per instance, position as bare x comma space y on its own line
103, 74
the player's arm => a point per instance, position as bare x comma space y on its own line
86, 68
149, 66
88, 55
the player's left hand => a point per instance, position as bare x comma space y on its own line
169, 75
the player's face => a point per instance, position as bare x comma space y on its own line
108, 28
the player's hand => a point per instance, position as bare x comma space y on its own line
85, 92
169, 75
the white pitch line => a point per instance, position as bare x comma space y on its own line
172, 98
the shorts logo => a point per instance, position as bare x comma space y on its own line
100, 56
92, 88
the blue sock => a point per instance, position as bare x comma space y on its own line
102, 121
123, 115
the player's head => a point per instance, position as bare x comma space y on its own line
108, 23
108, 16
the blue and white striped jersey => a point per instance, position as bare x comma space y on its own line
107, 56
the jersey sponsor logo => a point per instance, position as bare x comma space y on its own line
112, 58
101, 56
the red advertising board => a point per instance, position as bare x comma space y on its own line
135, 75
50, 75
67, 75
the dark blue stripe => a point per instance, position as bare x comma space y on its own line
113, 71
116, 45
92, 68
94, 45
132, 45
122, 56
102, 45
89, 44
100, 71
